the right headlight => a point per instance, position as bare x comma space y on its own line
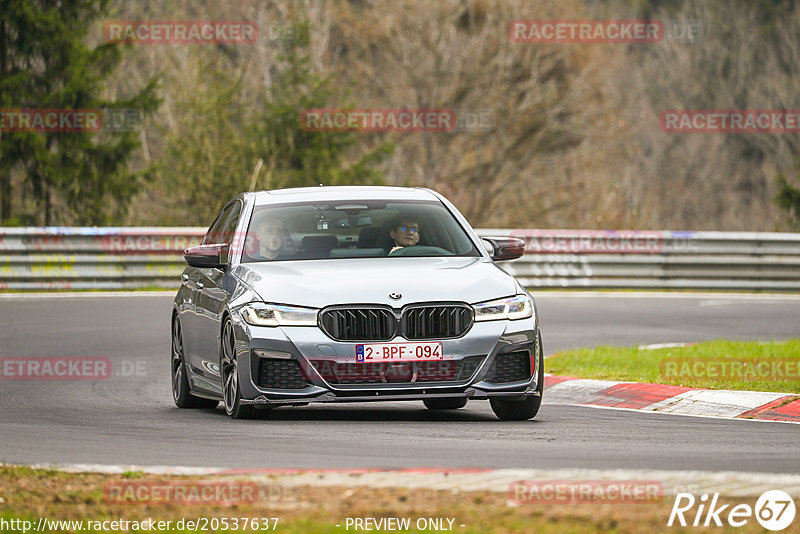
262, 314
516, 307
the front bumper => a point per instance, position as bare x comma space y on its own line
487, 347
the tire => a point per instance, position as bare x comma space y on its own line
522, 410
181, 393
229, 371
445, 404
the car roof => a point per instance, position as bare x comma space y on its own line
343, 192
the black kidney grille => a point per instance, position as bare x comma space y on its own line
280, 374
511, 367
359, 324
437, 322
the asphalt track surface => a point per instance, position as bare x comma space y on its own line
130, 418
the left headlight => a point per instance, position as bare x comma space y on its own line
261, 314
516, 307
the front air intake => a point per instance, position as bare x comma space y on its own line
280, 374
510, 367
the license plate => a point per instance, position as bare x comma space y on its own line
399, 352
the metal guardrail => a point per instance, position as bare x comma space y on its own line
129, 258
93, 258
656, 260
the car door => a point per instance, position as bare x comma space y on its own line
211, 299
193, 281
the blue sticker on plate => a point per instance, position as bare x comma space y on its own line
360, 353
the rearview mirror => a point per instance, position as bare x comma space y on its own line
505, 248
206, 256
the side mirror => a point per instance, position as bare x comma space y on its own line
505, 248
206, 256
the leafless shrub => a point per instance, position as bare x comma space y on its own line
576, 139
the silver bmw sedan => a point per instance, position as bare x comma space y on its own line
352, 294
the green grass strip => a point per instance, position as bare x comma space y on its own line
719, 364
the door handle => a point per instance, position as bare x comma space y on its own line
199, 284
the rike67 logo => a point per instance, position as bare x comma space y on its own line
774, 510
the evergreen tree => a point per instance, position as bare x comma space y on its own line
211, 157
45, 63
307, 158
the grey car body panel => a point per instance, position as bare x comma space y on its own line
320, 283
208, 295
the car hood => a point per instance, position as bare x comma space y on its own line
320, 283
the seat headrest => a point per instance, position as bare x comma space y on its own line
368, 237
320, 243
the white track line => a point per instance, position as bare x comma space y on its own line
640, 411
578, 391
721, 403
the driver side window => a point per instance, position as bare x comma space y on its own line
214, 234
229, 229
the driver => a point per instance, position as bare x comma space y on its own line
405, 233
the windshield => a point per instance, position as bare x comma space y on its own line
354, 229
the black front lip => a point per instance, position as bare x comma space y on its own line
472, 393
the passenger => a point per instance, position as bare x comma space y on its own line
405, 233
271, 235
